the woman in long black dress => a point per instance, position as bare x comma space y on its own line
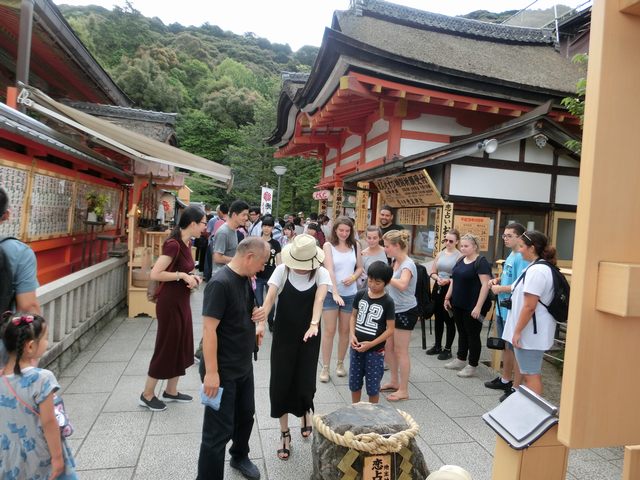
173, 352
300, 284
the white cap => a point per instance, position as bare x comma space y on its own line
450, 472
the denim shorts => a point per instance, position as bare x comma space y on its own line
529, 361
329, 304
407, 320
368, 365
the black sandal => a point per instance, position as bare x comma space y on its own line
305, 430
284, 453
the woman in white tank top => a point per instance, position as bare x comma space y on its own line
344, 263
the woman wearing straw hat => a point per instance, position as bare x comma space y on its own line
300, 284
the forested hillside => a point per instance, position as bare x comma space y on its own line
223, 85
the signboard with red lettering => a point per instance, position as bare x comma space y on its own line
266, 202
321, 195
479, 226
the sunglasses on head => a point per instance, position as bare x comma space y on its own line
526, 236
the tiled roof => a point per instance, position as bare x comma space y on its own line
292, 82
123, 112
455, 25
537, 65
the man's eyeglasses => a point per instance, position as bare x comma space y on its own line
203, 223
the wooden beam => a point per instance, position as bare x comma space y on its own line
631, 7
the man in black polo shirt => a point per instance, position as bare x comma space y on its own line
231, 326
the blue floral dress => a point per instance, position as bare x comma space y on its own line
24, 453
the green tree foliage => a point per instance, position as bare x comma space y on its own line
575, 104
224, 87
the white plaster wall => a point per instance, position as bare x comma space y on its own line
567, 190
328, 170
435, 124
378, 150
502, 184
352, 142
409, 146
333, 153
349, 159
564, 161
533, 154
509, 152
379, 127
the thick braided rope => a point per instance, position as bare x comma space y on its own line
373, 443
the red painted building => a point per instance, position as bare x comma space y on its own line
396, 90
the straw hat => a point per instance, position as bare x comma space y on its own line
302, 253
450, 472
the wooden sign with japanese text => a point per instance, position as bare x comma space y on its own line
338, 194
413, 216
479, 226
362, 206
414, 189
377, 467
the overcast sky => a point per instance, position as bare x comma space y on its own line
296, 22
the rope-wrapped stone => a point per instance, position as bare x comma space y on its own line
366, 436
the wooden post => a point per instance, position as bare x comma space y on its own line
631, 463
592, 414
547, 458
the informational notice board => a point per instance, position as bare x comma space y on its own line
479, 226
15, 183
413, 216
415, 189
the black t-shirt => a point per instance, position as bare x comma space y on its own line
393, 226
229, 298
372, 316
466, 284
270, 266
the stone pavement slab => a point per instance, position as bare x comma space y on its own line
116, 439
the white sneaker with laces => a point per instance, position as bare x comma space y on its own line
455, 364
467, 371
324, 375
340, 371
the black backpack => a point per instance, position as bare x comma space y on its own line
559, 305
7, 292
426, 307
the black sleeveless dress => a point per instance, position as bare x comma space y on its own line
294, 363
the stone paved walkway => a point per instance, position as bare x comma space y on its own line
116, 439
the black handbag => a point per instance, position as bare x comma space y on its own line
494, 343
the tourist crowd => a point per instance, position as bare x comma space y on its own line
304, 279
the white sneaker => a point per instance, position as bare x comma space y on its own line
324, 375
455, 364
467, 371
340, 371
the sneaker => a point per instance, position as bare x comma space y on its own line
179, 397
498, 384
506, 394
455, 364
434, 350
445, 354
154, 404
467, 372
324, 375
246, 467
340, 371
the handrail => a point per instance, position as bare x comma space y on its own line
75, 303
